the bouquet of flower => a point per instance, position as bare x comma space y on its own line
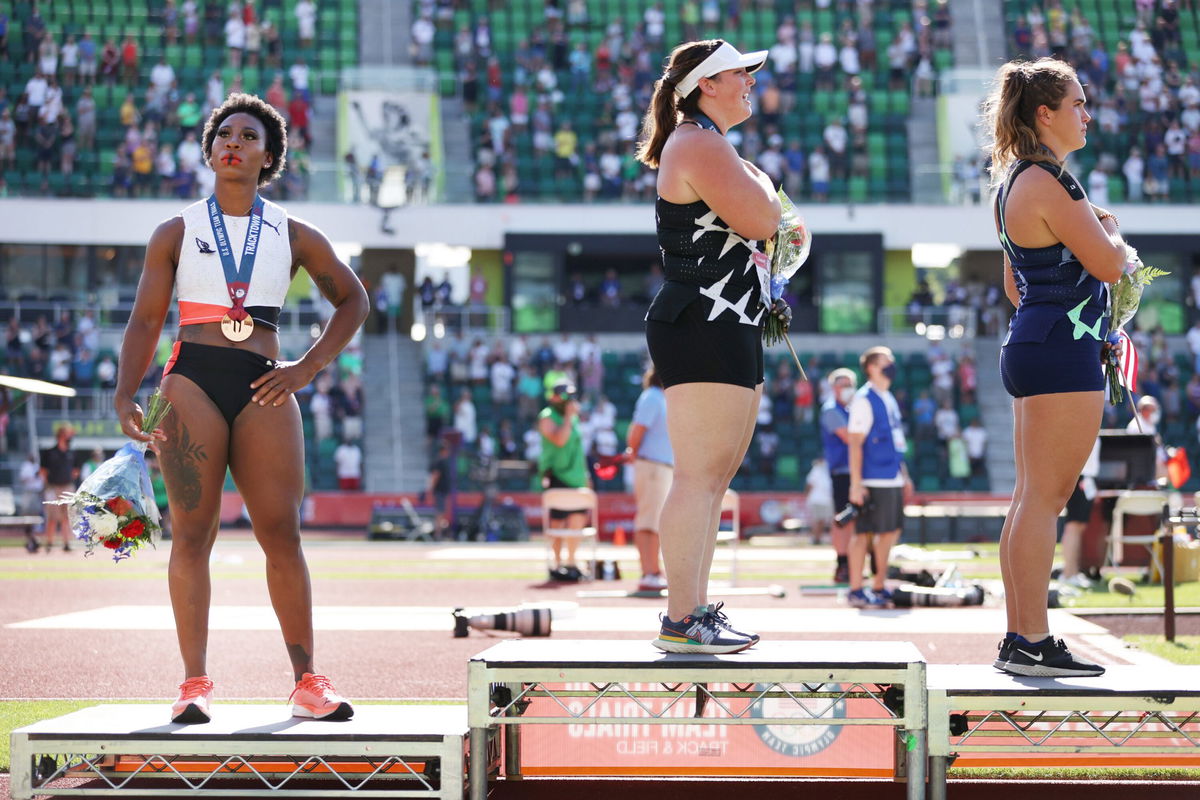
114, 507
1125, 297
787, 251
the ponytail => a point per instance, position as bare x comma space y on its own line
666, 107
1010, 111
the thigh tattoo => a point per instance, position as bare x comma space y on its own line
181, 459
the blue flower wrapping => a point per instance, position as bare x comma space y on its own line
124, 475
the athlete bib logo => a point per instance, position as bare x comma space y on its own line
799, 741
204, 247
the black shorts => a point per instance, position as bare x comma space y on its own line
1058, 365
841, 491
883, 511
1079, 507
222, 373
693, 350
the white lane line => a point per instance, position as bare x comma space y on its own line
438, 618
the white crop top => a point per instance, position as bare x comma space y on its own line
199, 279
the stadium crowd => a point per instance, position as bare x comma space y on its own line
1139, 65
552, 78
490, 393
72, 82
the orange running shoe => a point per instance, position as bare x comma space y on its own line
195, 696
314, 697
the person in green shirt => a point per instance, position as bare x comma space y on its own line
189, 113
563, 464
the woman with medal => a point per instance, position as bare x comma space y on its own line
1060, 252
230, 259
704, 327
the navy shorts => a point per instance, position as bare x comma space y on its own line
1058, 365
693, 350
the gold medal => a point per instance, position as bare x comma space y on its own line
237, 330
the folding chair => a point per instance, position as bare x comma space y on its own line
1138, 504
570, 500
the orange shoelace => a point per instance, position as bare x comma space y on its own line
194, 687
316, 684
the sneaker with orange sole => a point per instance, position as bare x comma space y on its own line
315, 698
195, 697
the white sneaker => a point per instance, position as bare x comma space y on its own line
654, 582
1080, 581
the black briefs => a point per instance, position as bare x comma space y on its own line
222, 373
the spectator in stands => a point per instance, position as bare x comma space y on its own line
130, 58
8, 140
835, 438
45, 142
423, 31
110, 62
235, 38
1037, 117
710, 408
562, 464
348, 460
59, 474
879, 480
298, 118
87, 59
975, 437
69, 55
465, 416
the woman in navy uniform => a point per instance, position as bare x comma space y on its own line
704, 327
1060, 254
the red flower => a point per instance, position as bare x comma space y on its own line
119, 506
134, 529
112, 544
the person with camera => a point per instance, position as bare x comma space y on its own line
878, 478
835, 440
563, 464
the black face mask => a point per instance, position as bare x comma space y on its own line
889, 371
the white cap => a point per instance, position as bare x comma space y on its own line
723, 58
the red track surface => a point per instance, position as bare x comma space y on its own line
103, 664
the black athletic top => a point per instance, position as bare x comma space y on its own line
704, 258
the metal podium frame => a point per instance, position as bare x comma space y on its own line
83, 745
1120, 710
503, 679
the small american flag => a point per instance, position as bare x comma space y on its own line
1129, 362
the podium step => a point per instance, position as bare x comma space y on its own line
386, 751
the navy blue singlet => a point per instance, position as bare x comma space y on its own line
1054, 338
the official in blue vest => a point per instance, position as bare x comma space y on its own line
835, 439
878, 478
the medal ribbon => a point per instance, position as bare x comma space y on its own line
237, 276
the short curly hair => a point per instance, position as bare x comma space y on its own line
274, 125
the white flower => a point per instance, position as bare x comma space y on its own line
105, 525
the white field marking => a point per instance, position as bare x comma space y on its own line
438, 618
536, 553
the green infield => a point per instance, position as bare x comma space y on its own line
1145, 595
1048, 774
1184, 650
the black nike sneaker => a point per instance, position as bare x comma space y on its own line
1048, 659
1005, 648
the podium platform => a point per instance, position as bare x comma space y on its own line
1133, 712
543, 682
385, 751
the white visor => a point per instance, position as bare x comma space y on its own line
723, 58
